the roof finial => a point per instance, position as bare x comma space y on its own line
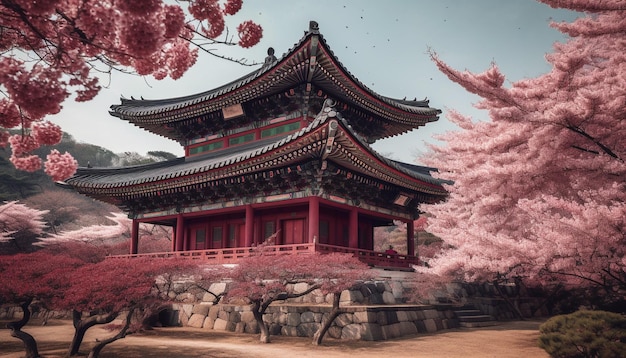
270, 57
313, 27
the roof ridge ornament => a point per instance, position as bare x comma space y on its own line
314, 27
270, 58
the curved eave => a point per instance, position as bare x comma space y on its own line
310, 54
111, 185
352, 152
182, 172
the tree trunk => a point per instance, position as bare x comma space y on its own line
258, 311
95, 351
82, 325
30, 345
328, 320
511, 304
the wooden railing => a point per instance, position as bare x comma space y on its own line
231, 255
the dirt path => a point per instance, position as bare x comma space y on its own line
509, 339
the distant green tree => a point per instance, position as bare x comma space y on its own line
16, 184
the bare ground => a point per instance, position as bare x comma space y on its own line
509, 339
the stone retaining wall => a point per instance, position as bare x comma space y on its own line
370, 323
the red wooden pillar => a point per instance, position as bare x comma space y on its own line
353, 229
180, 232
314, 219
173, 238
249, 226
134, 237
410, 238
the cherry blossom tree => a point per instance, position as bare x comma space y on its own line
265, 278
539, 193
40, 277
335, 273
101, 292
51, 49
20, 225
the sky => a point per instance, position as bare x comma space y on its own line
384, 44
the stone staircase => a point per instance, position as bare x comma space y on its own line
471, 317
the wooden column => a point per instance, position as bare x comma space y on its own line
353, 230
173, 248
410, 238
134, 237
314, 219
180, 232
249, 226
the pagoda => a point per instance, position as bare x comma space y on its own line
279, 157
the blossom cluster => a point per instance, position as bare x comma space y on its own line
74, 40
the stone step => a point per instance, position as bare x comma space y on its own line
477, 318
468, 312
478, 324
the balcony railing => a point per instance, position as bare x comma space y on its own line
231, 255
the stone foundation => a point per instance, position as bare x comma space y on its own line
369, 323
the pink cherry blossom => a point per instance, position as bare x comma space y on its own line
75, 40
539, 190
249, 34
47, 133
60, 166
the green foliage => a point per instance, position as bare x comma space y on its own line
584, 334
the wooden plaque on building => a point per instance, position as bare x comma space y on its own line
233, 111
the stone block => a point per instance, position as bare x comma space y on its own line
421, 327
431, 314
380, 286
397, 289
186, 309
290, 331
364, 317
293, 319
367, 290
300, 287
403, 316
376, 299
344, 319
386, 317
240, 327
252, 327
208, 323
334, 332
351, 296
202, 309
389, 298
430, 325
351, 331
224, 315
407, 328
217, 288
246, 316
208, 298
196, 320
307, 329
234, 317
371, 332
274, 329
214, 311
391, 331
307, 317
220, 324
419, 315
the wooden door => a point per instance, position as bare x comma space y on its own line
293, 231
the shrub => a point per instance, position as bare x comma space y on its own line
584, 334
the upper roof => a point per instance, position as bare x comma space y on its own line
346, 149
309, 62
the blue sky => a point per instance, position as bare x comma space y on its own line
382, 43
